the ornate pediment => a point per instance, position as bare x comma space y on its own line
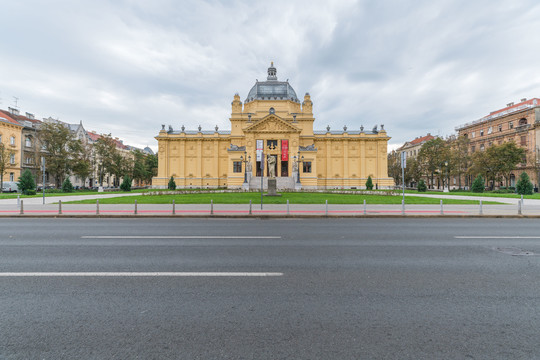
272, 124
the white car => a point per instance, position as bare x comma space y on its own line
10, 186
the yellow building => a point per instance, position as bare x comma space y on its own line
272, 123
10, 137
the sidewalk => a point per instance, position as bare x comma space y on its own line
34, 207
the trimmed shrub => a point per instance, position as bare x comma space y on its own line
172, 184
30, 192
26, 183
421, 186
126, 184
524, 185
369, 183
478, 185
67, 186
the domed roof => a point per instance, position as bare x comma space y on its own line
272, 89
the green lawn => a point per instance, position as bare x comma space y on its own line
469, 193
293, 197
48, 194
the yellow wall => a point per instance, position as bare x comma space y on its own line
342, 160
8, 130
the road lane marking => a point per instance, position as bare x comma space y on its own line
140, 274
176, 237
497, 237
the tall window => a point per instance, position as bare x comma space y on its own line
28, 142
500, 127
307, 167
490, 130
12, 159
510, 125
473, 134
524, 140
237, 166
482, 132
12, 140
11, 176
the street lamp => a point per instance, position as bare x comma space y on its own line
447, 189
300, 160
245, 160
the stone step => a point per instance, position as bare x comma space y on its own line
282, 183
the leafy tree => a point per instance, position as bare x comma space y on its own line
151, 164
26, 182
432, 156
524, 185
67, 186
459, 157
126, 184
497, 161
394, 166
421, 186
82, 165
5, 161
172, 184
369, 183
478, 184
509, 156
413, 171
105, 148
61, 149
140, 173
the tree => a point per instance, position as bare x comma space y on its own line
497, 161
126, 184
524, 185
172, 184
105, 148
478, 184
422, 186
459, 157
369, 183
432, 156
140, 173
413, 171
394, 166
82, 164
67, 186
60, 147
5, 161
151, 164
509, 156
26, 182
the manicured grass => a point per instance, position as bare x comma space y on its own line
469, 193
294, 198
49, 194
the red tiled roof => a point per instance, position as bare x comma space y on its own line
95, 137
534, 101
422, 139
9, 117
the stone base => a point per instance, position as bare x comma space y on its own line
297, 186
272, 185
245, 186
100, 189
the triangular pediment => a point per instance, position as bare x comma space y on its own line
272, 124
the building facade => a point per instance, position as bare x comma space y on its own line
515, 122
10, 138
272, 125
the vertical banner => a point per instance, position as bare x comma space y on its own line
403, 159
260, 145
284, 150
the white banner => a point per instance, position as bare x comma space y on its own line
260, 147
403, 159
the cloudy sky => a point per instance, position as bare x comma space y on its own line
127, 66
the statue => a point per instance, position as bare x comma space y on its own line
271, 166
295, 166
248, 167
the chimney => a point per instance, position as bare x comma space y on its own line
30, 115
524, 99
13, 111
510, 104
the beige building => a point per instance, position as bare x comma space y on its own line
515, 122
274, 124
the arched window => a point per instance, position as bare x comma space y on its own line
522, 121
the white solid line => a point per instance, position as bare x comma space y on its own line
176, 237
497, 237
139, 274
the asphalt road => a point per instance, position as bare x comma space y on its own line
269, 289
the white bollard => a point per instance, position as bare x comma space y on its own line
365, 209
211, 207
173, 208
287, 207
326, 208
22, 207
59, 207
480, 208
442, 212
250, 213
402, 207
135, 212
97, 207
519, 207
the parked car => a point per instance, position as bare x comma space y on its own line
10, 186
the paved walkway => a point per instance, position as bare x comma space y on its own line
35, 207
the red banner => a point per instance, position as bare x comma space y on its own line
284, 150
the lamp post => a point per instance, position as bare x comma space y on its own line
447, 187
300, 160
245, 159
